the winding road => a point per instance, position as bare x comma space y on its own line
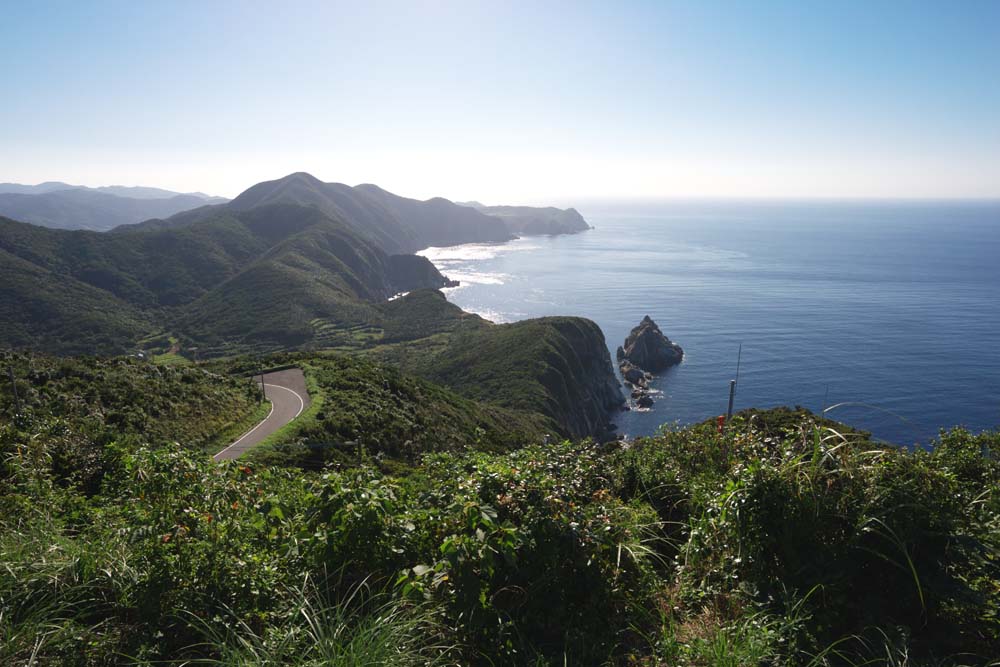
289, 398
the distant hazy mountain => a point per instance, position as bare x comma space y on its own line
41, 188
397, 224
133, 192
535, 221
79, 208
64, 206
140, 192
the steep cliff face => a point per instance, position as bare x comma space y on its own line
584, 379
558, 366
412, 272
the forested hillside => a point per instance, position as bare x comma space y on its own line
300, 264
397, 224
259, 275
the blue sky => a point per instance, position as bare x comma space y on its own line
513, 102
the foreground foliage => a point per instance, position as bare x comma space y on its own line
783, 542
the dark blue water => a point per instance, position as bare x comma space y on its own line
892, 308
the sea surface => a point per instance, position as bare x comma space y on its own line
888, 311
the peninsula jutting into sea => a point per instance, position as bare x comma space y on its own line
495, 334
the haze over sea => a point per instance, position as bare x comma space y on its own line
892, 307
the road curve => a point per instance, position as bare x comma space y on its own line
289, 398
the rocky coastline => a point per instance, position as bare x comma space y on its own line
646, 351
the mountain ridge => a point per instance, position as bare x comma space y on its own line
129, 191
175, 267
91, 208
296, 264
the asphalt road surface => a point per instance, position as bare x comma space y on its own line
287, 392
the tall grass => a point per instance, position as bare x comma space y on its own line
46, 593
364, 629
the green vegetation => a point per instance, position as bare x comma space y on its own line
41, 310
785, 541
416, 514
299, 264
361, 408
236, 281
395, 224
289, 263
556, 366
128, 399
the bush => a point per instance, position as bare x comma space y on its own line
784, 541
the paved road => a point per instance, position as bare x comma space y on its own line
288, 395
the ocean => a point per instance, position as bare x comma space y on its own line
889, 311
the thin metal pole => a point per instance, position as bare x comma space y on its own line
739, 358
263, 391
732, 395
733, 383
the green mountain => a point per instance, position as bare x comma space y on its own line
43, 310
260, 275
299, 264
397, 224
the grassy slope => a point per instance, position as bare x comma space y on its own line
556, 366
779, 543
130, 399
280, 276
157, 268
360, 406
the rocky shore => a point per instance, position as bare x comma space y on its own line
646, 351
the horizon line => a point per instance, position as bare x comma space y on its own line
590, 198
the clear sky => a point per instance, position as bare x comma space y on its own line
506, 101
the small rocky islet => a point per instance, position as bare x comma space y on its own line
646, 351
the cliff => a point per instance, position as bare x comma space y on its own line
412, 272
557, 366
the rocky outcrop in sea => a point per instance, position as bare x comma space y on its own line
646, 351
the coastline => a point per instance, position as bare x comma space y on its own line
816, 330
